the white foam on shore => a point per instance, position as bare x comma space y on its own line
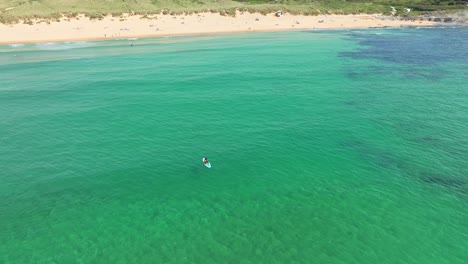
63, 45
16, 45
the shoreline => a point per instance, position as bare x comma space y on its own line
128, 26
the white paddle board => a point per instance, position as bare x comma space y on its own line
208, 165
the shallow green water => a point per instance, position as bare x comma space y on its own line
327, 147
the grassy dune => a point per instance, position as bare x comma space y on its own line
14, 10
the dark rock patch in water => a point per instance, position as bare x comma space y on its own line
422, 73
427, 139
352, 144
353, 75
456, 184
380, 158
388, 160
412, 48
351, 104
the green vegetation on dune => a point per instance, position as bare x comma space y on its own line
13, 10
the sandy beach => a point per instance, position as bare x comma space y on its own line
82, 28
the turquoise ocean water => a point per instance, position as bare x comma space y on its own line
327, 147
